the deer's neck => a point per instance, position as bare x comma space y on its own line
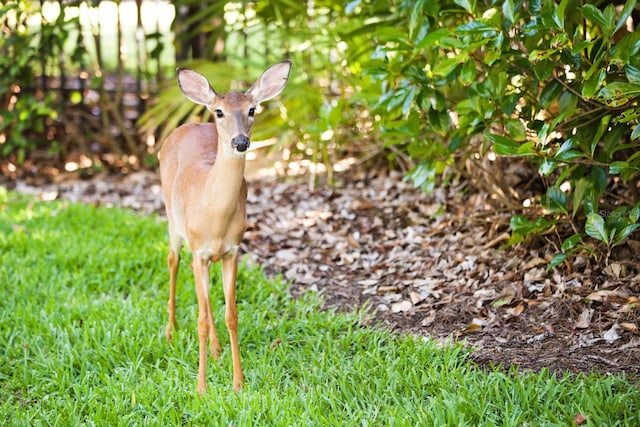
225, 180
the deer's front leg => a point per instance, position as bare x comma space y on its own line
173, 260
229, 272
206, 328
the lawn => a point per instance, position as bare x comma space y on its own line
83, 294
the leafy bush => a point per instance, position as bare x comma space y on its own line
323, 110
553, 85
23, 116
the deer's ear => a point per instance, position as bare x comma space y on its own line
271, 82
195, 86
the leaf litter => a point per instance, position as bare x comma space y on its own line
426, 264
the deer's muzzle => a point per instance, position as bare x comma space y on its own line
240, 143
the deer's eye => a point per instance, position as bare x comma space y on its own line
252, 111
219, 114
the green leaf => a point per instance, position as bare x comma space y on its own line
555, 200
417, 18
626, 50
632, 73
516, 129
595, 228
521, 225
634, 213
567, 104
509, 11
556, 261
559, 15
475, 27
616, 168
579, 190
423, 176
620, 235
594, 14
408, 101
543, 69
468, 5
598, 178
628, 116
570, 242
447, 65
392, 34
434, 37
609, 14
550, 93
617, 94
596, 137
636, 132
537, 56
546, 167
468, 73
502, 145
626, 12
566, 151
440, 120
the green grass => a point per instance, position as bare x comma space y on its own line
83, 295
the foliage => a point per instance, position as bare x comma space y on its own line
555, 85
322, 114
82, 332
24, 117
452, 88
61, 91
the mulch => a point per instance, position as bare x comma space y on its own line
433, 265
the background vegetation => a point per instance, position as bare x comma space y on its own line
534, 103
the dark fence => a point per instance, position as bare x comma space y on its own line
96, 64
76, 76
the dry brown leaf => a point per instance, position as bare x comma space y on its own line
288, 255
517, 310
613, 334
535, 262
415, 297
429, 319
601, 295
353, 242
584, 319
388, 289
470, 329
401, 307
613, 296
579, 420
276, 343
505, 297
615, 270
631, 327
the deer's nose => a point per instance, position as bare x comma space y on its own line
240, 143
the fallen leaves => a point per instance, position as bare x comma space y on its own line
614, 296
579, 420
584, 320
426, 264
402, 306
613, 334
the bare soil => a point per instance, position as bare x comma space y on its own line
427, 264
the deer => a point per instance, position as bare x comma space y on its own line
205, 194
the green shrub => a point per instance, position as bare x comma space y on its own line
553, 85
23, 115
